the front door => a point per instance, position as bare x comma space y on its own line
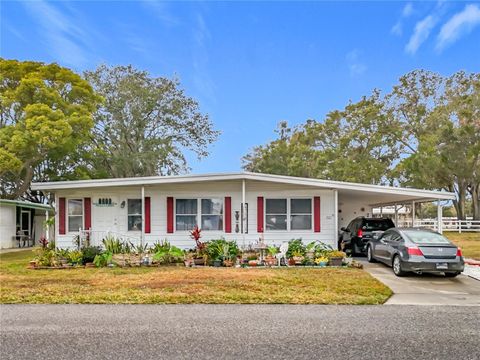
25, 223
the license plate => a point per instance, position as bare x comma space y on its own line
442, 266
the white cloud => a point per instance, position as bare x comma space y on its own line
66, 41
420, 34
354, 64
161, 11
459, 24
407, 10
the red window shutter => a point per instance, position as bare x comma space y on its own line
87, 211
148, 227
169, 215
316, 213
61, 216
260, 214
228, 214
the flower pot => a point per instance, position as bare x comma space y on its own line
335, 261
217, 263
228, 263
298, 260
270, 261
291, 262
252, 263
199, 261
32, 264
323, 263
187, 263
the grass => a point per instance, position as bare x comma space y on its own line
468, 242
179, 285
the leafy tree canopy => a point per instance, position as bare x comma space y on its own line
45, 115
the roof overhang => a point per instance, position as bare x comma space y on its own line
26, 204
404, 193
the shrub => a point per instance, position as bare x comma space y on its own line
295, 246
89, 253
103, 259
222, 249
168, 254
112, 244
75, 257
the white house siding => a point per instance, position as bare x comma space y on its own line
115, 218
350, 208
7, 226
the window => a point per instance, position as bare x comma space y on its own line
186, 214
134, 215
288, 214
212, 214
276, 214
75, 214
301, 214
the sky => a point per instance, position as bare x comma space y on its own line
251, 64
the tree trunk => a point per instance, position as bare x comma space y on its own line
475, 191
459, 203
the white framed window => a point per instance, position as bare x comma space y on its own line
288, 214
207, 213
300, 214
186, 212
212, 214
134, 214
75, 214
276, 214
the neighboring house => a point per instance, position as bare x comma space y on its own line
22, 223
237, 206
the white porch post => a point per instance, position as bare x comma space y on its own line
396, 215
142, 236
335, 217
413, 213
381, 211
439, 217
242, 212
47, 227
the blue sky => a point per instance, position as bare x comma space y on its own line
251, 64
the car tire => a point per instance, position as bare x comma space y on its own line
451, 274
370, 255
397, 266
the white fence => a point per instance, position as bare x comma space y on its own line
447, 224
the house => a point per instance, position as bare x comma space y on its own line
237, 206
22, 223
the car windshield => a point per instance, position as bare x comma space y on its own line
377, 224
426, 237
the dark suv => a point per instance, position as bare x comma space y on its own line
354, 238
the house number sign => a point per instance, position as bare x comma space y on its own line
105, 202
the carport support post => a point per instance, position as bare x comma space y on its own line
413, 213
396, 215
47, 228
243, 212
439, 217
335, 193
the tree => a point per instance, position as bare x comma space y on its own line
356, 144
45, 116
440, 141
144, 125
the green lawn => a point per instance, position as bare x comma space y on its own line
468, 242
175, 285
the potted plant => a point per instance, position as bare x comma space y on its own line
217, 262
321, 261
252, 260
298, 257
335, 257
270, 260
296, 251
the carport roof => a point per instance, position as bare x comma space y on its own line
372, 192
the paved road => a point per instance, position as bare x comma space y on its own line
238, 332
426, 289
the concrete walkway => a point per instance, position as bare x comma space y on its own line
426, 289
6, 251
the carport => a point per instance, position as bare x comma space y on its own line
359, 200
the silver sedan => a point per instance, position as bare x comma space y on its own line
416, 250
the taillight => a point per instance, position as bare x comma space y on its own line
459, 252
360, 233
414, 251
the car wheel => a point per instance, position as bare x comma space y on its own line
370, 255
451, 274
397, 266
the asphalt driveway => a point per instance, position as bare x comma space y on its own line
238, 332
426, 289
